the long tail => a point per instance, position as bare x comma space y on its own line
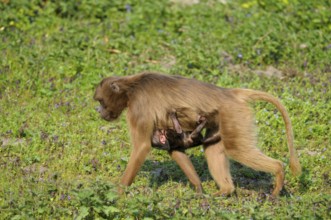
248, 94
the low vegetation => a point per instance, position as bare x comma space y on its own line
59, 160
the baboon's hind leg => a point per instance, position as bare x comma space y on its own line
219, 167
254, 158
239, 137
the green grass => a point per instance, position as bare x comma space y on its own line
59, 160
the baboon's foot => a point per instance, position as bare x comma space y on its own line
279, 182
225, 191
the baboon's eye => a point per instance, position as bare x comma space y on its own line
102, 103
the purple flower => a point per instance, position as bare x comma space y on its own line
128, 8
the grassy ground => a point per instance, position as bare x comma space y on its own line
59, 160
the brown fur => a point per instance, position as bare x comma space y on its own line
179, 139
170, 139
149, 97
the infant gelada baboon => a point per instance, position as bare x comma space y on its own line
171, 139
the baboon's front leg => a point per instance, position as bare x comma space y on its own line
186, 165
141, 147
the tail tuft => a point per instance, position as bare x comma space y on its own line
295, 166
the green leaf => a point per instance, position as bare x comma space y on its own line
110, 210
82, 212
111, 196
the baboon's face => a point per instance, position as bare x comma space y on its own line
112, 99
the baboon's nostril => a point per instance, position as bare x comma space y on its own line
98, 109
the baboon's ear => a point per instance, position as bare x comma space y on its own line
115, 87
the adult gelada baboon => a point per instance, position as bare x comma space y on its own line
149, 97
